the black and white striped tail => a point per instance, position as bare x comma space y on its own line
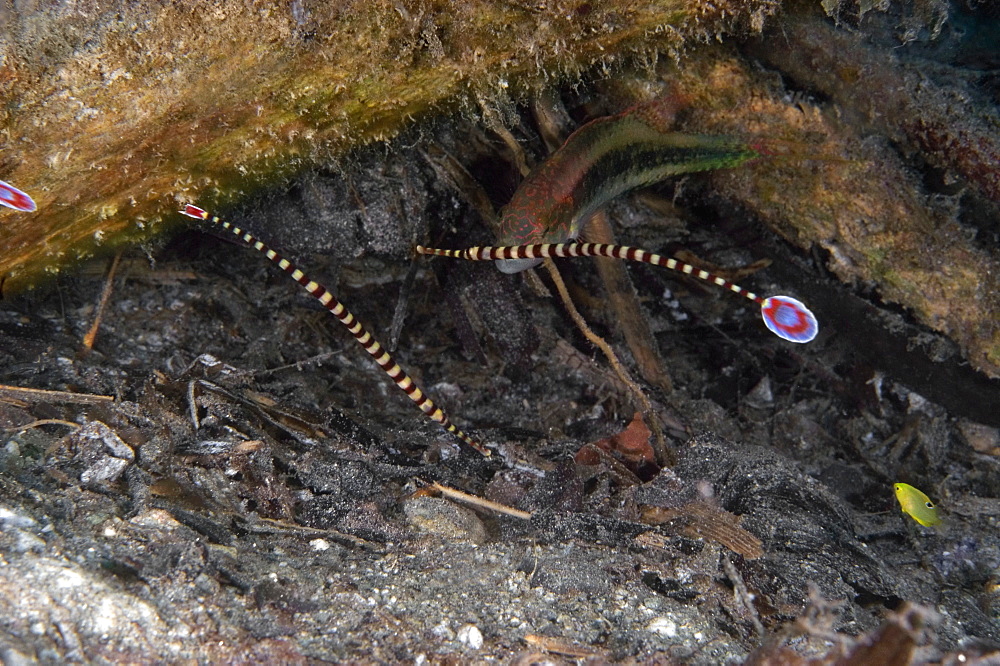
364, 338
786, 317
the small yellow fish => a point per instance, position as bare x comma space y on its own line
917, 505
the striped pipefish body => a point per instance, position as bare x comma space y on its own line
344, 316
786, 317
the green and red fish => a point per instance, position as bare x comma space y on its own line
606, 158
601, 160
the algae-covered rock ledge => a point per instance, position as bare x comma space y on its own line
115, 114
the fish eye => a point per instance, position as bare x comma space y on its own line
929, 505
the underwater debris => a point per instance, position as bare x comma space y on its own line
701, 520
